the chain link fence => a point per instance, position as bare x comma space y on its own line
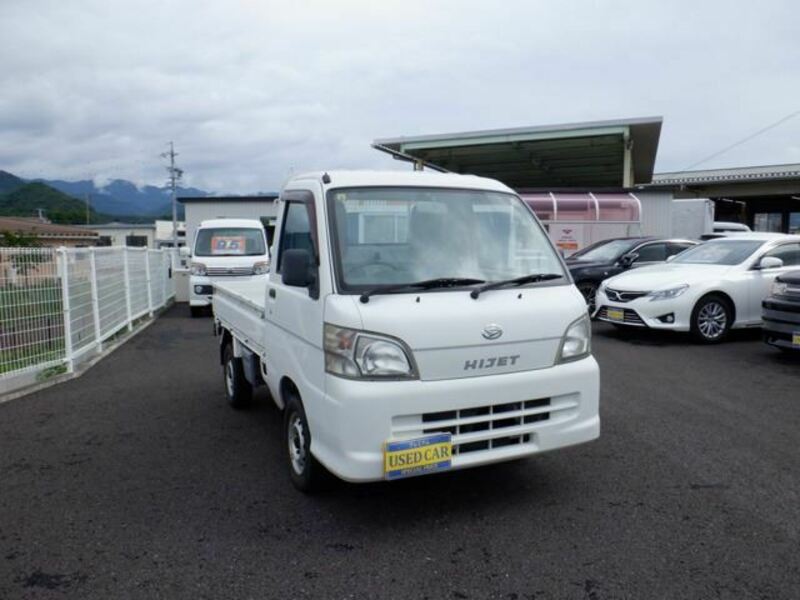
59, 306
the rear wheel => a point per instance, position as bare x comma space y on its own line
711, 319
237, 389
589, 291
307, 474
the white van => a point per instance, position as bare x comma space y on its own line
222, 249
411, 323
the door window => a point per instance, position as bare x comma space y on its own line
652, 253
788, 253
296, 233
675, 248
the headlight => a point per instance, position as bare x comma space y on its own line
359, 355
198, 269
261, 268
577, 341
668, 294
778, 288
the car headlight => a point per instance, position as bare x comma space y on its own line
668, 294
360, 355
577, 340
198, 269
778, 288
261, 268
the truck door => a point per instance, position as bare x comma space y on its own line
293, 315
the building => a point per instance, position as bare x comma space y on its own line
582, 179
49, 234
164, 233
198, 209
767, 198
137, 235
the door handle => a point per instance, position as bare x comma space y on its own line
271, 292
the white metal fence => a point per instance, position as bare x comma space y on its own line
58, 305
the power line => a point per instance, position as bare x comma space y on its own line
744, 140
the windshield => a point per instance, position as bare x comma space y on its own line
718, 253
607, 251
229, 241
391, 236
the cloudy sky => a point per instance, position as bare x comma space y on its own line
251, 91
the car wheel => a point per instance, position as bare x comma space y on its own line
237, 389
589, 291
711, 319
307, 474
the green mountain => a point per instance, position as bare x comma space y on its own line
24, 200
9, 182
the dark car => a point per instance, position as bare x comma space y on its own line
605, 259
781, 312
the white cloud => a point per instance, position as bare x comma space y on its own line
251, 90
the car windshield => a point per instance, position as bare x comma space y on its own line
719, 252
229, 241
608, 251
391, 236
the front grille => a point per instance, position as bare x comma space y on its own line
622, 296
631, 316
483, 428
228, 271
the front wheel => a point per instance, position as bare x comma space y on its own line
711, 319
307, 474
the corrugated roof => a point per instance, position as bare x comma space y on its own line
37, 228
732, 175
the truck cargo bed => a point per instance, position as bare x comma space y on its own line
239, 307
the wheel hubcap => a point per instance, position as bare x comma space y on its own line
712, 320
229, 378
297, 444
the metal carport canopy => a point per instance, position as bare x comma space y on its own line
616, 153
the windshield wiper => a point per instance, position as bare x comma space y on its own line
428, 284
516, 281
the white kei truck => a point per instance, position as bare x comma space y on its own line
411, 323
224, 248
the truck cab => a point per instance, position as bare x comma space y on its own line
224, 249
411, 323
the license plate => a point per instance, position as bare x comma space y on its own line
615, 314
420, 456
796, 338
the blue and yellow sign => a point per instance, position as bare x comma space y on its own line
420, 456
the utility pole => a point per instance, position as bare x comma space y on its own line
175, 175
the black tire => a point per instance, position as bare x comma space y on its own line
712, 318
196, 311
589, 291
305, 471
237, 389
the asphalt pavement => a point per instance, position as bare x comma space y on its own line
137, 481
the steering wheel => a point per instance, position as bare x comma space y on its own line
362, 267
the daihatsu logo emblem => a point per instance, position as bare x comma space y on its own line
492, 332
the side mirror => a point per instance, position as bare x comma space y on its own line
770, 262
628, 259
297, 268
671, 257
184, 252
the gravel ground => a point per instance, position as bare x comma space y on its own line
137, 481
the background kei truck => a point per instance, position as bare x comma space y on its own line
410, 323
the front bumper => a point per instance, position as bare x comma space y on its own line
201, 290
672, 315
781, 322
491, 419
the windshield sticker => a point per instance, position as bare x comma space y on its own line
226, 244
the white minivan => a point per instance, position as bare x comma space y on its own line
225, 248
411, 323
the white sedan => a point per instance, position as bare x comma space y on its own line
707, 289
